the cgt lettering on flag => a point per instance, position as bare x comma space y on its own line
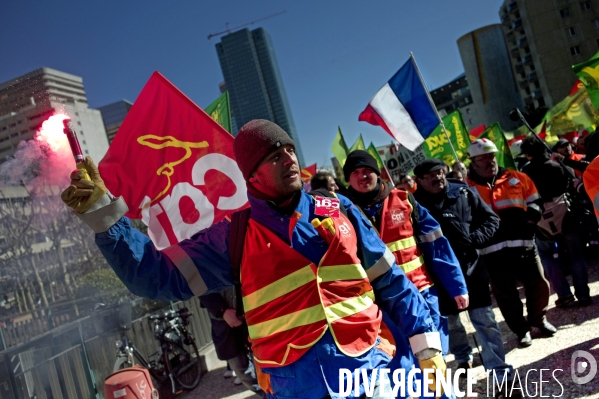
173, 165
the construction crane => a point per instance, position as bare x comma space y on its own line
210, 36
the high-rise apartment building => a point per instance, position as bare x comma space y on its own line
251, 71
544, 39
27, 101
456, 95
489, 72
113, 116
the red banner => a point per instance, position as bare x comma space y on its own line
477, 131
173, 165
307, 173
577, 86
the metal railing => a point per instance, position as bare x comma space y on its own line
72, 361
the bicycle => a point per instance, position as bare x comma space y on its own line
176, 362
180, 352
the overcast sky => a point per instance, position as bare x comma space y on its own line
333, 55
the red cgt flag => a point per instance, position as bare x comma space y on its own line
173, 165
307, 173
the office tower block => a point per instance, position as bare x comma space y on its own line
253, 79
113, 116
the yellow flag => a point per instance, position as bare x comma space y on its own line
358, 145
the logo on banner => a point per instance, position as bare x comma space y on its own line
168, 169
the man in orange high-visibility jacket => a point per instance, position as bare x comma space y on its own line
308, 300
590, 176
511, 254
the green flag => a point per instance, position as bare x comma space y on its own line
358, 145
339, 148
588, 73
219, 110
437, 145
504, 156
375, 154
573, 113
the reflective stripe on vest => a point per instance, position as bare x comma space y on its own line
510, 202
402, 244
532, 197
290, 302
507, 244
397, 233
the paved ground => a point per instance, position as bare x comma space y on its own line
578, 328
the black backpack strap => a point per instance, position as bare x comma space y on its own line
239, 226
323, 192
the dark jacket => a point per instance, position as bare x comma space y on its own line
548, 176
468, 223
228, 341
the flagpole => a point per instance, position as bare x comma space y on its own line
430, 99
389, 174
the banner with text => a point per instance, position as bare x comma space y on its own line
437, 145
399, 160
173, 165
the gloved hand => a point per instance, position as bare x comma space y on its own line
435, 362
82, 194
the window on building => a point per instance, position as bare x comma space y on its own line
541, 102
585, 6
575, 50
595, 23
564, 12
571, 31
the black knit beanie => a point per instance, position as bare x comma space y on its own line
254, 141
357, 159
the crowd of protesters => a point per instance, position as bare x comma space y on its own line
383, 286
505, 227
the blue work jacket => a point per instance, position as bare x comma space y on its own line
201, 265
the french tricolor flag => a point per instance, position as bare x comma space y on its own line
403, 108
